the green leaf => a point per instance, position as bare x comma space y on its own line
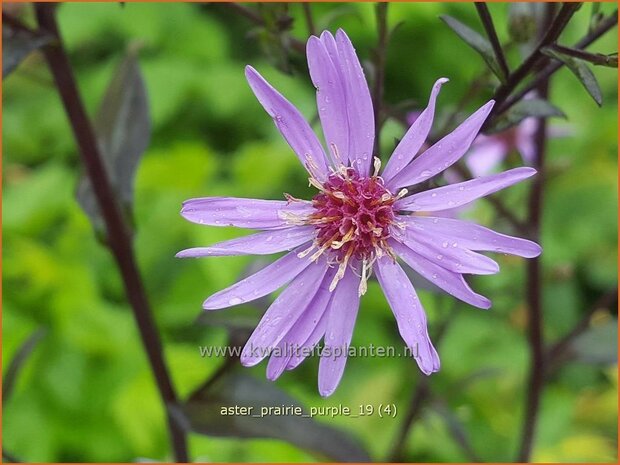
581, 70
537, 108
17, 44
477, 42
209, 412
598, 345
123, 130
21, 356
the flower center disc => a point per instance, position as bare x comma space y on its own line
353, 215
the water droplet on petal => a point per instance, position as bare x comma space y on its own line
234, 301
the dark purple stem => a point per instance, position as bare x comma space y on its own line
419, 397
550, 36
604, 26
117, 233
257, 19
594, 58
556, 351
309, 19
534, 279
487, 22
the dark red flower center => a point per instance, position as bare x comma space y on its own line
353, 215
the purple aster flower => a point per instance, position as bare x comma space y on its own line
360, 222
487, 152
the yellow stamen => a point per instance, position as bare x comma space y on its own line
342, 268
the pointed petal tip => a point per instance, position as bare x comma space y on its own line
326, 33
313, 41
535, 250
249, 361
326, 391
181, 254
210, 305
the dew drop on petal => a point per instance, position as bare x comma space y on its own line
234, 301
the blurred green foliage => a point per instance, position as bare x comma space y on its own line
86, 392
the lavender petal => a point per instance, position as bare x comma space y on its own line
444, 153
453, 283
243, 213
359, 106
291, 124
408, 312
456, 195
448, 254
341, 314
414, 138
261, 283
486, 154
262, 243
309, 344
473, 236
283, 313
330, 98
291, 345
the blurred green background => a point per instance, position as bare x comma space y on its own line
86, 392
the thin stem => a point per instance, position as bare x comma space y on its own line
534, 284
553, 32
16, 23
309, 19
604, 26
556, 351
379, 55
487, 22
22, 354
594, 58
419, 397
117, 233
456, 430
256, 18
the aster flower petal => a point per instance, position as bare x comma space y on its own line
415, 136
261, 283
330, 98
453, 283
485, 155
262, 243
525, 139
341, 315
359, 106
312, 340
449, 254
444, 153
291, 344
473, 236
456, 195
408, 312
291, 124
283, 313
244, 213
